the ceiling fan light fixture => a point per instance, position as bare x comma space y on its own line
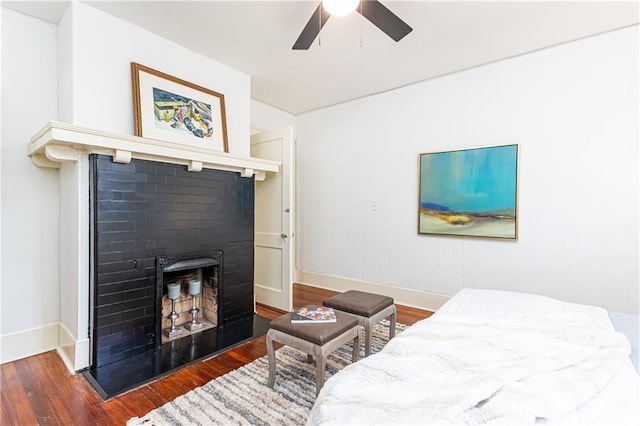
374, 11
340, 7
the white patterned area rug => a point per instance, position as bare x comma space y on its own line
242, 397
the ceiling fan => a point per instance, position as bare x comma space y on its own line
373, 10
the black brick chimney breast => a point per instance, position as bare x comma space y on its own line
146, 209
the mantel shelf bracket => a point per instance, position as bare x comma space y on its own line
194, 166
123, 157
61, 153
41, 160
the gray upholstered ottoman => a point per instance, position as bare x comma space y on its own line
317, 340
369, 308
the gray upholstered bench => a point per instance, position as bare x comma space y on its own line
317, 340
369, 308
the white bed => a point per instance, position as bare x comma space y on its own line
492, 357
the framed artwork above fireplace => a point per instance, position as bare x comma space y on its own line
174, 110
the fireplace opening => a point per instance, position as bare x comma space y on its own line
188, 289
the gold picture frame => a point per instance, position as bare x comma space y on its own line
170, 109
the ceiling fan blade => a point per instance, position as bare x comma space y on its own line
312, 29
384, 19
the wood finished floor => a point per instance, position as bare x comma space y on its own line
40, 390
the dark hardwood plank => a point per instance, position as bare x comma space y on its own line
16, 406
60, 410
41, 403
308, 295
40, 390
171, 386
200, 373
267, 311
138, 403
143, 396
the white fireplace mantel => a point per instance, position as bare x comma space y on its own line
61, 142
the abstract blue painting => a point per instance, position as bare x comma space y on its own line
470, 192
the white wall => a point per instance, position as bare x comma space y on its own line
29, 284
104, 47
265, 117
574, 111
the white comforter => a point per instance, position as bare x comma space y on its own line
472, 367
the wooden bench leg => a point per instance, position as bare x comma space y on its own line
368, 333
392, 324
356, 348
321, 362
370, 322
271, 355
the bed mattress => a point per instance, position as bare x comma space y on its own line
492, 357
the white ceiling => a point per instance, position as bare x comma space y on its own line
255, 37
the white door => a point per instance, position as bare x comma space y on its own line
274, 221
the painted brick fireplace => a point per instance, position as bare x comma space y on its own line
145, 212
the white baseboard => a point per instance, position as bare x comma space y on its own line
30, 342
74, 353
22, 344
401, 295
